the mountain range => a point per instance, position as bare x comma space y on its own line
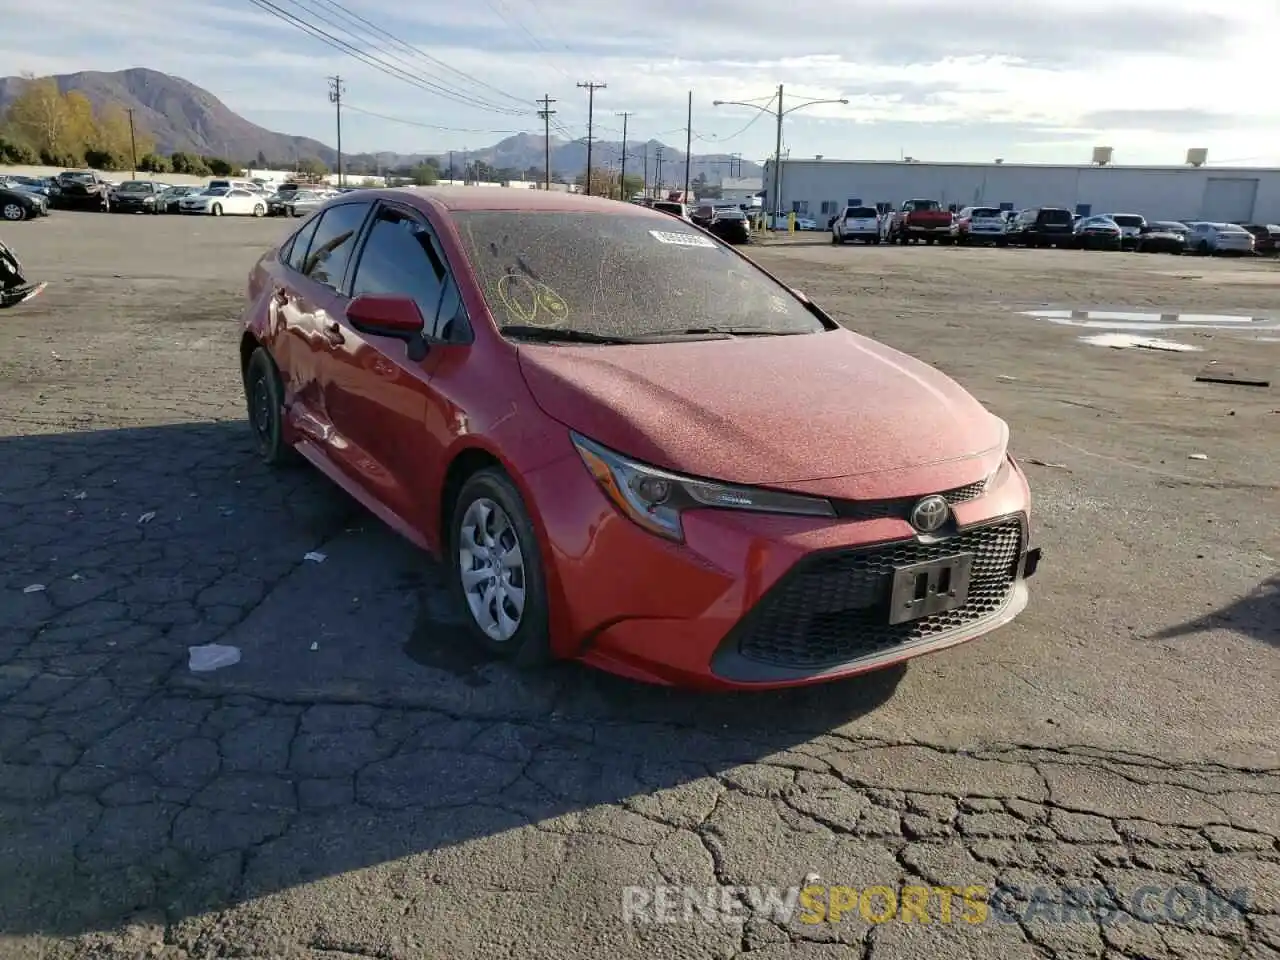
182, 116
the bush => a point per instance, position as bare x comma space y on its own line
16, 152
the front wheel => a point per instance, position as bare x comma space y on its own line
496, 569
259, 210
13, 212
217, 210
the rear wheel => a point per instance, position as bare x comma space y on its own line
497, 569
264, 395
259, 210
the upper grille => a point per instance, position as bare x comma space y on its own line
901, 508
834, 608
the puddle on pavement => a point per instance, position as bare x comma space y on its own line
1123, 341
1139, 320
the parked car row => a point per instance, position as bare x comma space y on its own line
26, 197
928, 222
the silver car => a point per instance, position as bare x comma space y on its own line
304, 202
1131, 226
1206, 237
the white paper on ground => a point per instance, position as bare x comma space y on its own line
212, 656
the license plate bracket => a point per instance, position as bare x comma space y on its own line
935, 586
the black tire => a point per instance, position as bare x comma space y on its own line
264, 400
529, 645
259, 210
216, 210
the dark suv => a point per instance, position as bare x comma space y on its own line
1043, 227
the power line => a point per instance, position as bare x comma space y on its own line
733, 136
591, 87
415, 52
418, 123
372, 61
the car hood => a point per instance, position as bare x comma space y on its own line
763, 410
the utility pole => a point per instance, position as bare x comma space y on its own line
622, 177
658, 158
688, 147
133, 146
336, 90
450, 167
591, 87
777, 165
546, 113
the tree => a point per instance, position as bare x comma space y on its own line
154, 163
39, 117
312, 167
219, 167
425, 174
15, 151
189, 164
262, 161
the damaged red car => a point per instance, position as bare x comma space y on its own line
628, 443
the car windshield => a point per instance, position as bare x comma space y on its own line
731, 214
1127, 220
78, 177
916, 206
632, 275
1056, 216
216, 192
861, 213
134, 186
985, 212
1170, 226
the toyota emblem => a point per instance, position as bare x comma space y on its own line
929, 514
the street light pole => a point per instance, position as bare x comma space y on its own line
779, 114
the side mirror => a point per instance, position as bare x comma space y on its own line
390, 316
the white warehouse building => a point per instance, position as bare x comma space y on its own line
821, 188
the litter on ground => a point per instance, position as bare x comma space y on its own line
1124, 341
212, 656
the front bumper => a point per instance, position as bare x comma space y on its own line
753, 601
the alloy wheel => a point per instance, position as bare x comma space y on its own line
491, 565
13, 212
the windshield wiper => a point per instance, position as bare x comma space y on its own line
744, 331
562, 335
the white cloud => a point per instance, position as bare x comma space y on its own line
933, 78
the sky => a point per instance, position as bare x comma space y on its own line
958, 80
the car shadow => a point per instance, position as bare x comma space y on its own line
1257, 614
130, 787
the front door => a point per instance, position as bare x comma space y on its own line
381, 401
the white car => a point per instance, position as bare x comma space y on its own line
222, 201
856, 223
980, 225
1131, 226
1207, 238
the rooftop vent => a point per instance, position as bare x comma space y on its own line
1197, 156
999, 160
1102, 155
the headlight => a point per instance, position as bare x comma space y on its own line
656, 499
1000, 473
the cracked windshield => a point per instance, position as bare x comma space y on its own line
639, 483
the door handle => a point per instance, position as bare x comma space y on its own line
333, 333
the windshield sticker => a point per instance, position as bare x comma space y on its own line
682, 239
531, 302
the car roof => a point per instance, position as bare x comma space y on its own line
507, 198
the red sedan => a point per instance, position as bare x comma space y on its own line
628, 443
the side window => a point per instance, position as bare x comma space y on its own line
297, 252
333, 243
402, 257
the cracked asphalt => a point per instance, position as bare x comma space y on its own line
362, 784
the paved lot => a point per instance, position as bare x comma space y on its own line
386, 794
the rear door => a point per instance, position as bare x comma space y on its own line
394, 425
311, 306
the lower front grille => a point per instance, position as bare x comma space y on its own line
834, 607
